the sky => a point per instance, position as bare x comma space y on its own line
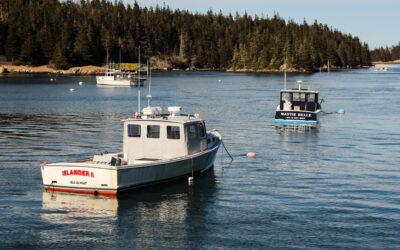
376, 22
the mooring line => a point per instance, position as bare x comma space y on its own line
227, 151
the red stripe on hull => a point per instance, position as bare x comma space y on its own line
102, 192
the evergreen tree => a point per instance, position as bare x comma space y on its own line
68, 33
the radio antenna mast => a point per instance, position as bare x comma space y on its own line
138, 68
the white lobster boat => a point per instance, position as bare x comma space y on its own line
157, 148
119, 78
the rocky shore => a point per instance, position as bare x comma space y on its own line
45, 69
157, 65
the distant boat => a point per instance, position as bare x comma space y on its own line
383, 69
119, 78
114, 77
298, 106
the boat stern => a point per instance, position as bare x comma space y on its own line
79, 178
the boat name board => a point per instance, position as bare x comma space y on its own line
296, 114
78, 172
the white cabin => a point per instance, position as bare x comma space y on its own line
157, 136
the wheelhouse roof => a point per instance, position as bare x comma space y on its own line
182, 118
299, 91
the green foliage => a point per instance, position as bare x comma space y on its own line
71, 33
386, 54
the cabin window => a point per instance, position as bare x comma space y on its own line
286, 97
153, 131
311, 97
173, 132
296, 97
133, 130
202, 129
302, 97
192, 131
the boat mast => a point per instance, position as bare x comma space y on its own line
108, 64
138, 68
284, 75
149, 94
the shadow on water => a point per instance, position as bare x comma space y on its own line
140, 218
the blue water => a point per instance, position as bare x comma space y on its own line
334, 186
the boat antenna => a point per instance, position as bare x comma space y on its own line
138, 68
149, 94
284, 74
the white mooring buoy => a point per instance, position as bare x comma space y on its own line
72, 89
190, 180
80, 83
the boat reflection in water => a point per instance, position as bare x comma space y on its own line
298, 138
138, 219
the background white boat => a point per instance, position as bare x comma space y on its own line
119, 78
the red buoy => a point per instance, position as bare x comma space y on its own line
251, 154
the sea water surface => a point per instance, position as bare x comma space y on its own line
334, 186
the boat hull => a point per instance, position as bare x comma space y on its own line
296, 117
109, 180
101, 80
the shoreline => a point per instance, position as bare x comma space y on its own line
45, 69
91, 70
388, 62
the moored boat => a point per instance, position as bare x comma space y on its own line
382, 69
157, 147
119, 78
298, 106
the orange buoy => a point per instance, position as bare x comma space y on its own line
251, 154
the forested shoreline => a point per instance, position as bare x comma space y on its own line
386, 54
64, 34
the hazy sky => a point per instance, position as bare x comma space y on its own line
376, 22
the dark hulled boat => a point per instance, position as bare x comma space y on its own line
298, 106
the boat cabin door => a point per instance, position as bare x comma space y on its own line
196, 137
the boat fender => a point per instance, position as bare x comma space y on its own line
340, 111
251, 154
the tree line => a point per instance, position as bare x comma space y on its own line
386, 54
71, 33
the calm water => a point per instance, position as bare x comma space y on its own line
336, 186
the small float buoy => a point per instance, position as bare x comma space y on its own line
80, 83
190, 180
251, 154
219, 80
340, 111
51, 79
72, 89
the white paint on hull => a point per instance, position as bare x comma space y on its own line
88, 177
